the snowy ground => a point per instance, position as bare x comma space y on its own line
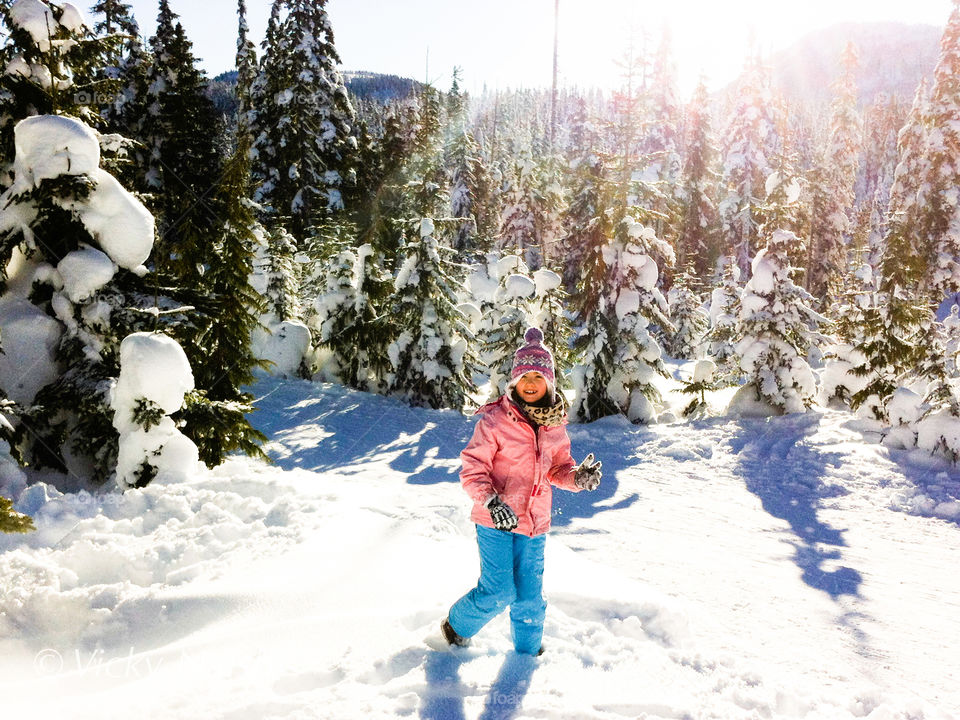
781, 568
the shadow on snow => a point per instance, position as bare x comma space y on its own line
787, 473
444, 697
322, 428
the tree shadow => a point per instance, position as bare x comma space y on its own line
322, 427
787, 474
510, 688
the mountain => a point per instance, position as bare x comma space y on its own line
893, 58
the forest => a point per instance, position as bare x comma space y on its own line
400, 238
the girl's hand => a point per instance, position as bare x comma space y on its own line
587, 475
503, 516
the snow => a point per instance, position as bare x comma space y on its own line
72, 18
119, 222
30, 338
784, 567
517, 287
48, 146
704, 371
36, 18
285, 344
85, 271
546, 281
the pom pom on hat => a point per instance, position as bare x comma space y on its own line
533, 335
534, 357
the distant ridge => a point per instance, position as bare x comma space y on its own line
362, 85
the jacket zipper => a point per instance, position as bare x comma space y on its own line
536, 484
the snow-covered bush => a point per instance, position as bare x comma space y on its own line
702, 381
773, 325
154, 378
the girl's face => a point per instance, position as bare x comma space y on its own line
531, 386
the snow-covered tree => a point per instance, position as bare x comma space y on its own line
72, 247
724, 304
182, 165
698, 245
303, 151
688, 318
619, 354
774, 330
50, 62
346, 323
660, 145
834, 191
586, 220
429, 361
939, 224
891, 341
749, 145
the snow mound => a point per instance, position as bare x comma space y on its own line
118, 221
85, 271
154, 371
48, 146
30, 338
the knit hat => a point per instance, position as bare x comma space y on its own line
534, 357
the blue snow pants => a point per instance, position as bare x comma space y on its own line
511, 573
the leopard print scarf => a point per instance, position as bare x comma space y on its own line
552, 416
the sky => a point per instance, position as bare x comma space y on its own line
509, 43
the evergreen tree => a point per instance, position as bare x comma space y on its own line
74, 218
900, 247
892, 339
834, 192
467, 174
698, 247
773, 325
939, 223
430, 363
304, 150
585, 221
660, 146
224, 360
523, 224
183, 165
619, 354
346, 323
51, 69
749, 145
722, 335
689, 320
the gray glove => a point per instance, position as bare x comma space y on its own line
504, 518
587, 475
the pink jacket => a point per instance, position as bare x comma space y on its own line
505, 457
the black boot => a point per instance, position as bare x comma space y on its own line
450, 635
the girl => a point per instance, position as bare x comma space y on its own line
519, 449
